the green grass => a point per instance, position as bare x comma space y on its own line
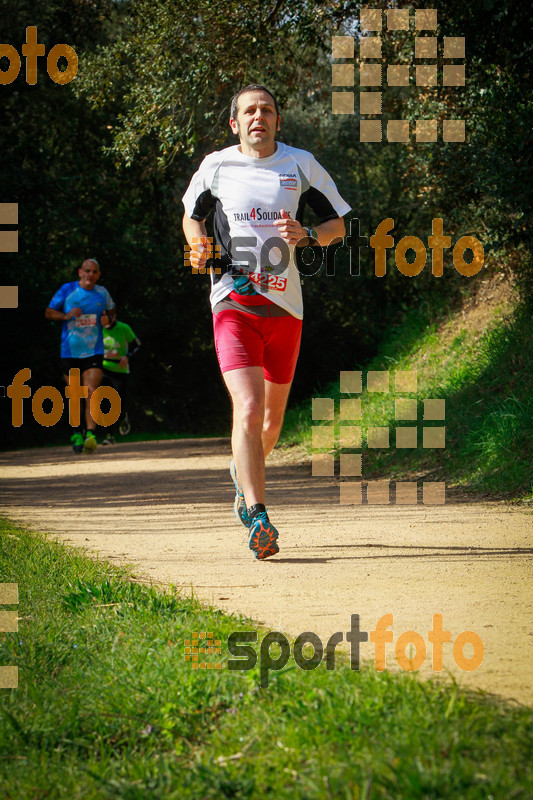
107, 707
486, 379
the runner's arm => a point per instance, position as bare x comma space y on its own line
133, 347
330, 232
195, 229
60, 316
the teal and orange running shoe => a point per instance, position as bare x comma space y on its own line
263, 536
239, 506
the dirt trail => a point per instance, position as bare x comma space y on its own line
166, 507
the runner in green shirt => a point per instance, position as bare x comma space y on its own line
120, 344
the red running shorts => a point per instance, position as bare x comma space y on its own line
246, 340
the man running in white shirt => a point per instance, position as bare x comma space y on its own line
258, 190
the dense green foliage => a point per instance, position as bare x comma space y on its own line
487, 384
108, 707
98, 167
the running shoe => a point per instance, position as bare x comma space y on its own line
108, 439
239, 506
263, 536
90, 442
76, 441
125, 426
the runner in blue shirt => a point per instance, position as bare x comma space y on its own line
79, 306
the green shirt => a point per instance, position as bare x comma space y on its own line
116, 340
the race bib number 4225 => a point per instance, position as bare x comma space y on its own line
269, 281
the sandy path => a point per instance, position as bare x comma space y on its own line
166, 507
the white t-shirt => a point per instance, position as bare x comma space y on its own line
248, 194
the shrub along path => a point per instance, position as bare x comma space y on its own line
166, 508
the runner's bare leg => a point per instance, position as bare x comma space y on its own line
258, 408
247, 389
276, 396
91, 378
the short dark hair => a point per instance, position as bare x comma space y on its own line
252, 87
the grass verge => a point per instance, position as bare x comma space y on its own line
486, 380
107, 707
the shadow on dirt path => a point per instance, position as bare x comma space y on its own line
166, 507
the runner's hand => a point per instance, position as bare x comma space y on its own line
289, 229
74, 312
199, 252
